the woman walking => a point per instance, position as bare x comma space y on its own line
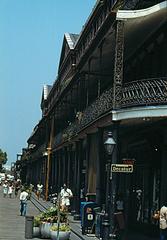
10, 190
5, 189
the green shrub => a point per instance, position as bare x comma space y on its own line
62, 227
37, 221
51, 215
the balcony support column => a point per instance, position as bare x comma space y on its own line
118, 66
78, 175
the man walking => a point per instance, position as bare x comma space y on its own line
65, 195
23, 202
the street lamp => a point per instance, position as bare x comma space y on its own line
109, 145
48, 155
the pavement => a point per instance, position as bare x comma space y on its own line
76, 228
12, 225
74, 224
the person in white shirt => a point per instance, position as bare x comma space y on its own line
5, 188
10, 190
39, 190
163, 223
23, 202
65, 195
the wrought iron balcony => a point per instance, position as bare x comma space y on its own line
92, 113
144, 92
137, 93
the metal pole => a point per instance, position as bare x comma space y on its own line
47, 174
113, 180
58, 213
48, 160
106, 221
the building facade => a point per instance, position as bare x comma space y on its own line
111, 77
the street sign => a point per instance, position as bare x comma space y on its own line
122, 168
128, 161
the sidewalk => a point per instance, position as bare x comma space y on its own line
76, 228
75, 225
12, 225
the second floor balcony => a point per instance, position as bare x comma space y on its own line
140, 93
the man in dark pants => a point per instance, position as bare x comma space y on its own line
23, 202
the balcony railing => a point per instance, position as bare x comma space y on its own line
144, 92
92, 113
138, 93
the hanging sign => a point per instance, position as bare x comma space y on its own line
128, 161
122, 168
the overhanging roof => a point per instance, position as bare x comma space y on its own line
141, 24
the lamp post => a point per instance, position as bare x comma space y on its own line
48, 154
109, 145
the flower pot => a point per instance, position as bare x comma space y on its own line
62, 235
36, 232
45, 229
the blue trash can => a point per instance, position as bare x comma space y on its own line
81, 209
88, 217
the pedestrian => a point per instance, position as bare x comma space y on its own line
23, 202
17, 187
119, 203
119, 228
5, 189
39, 190
163, 223
65, 195
10, 190
31, 187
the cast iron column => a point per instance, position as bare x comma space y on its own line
118, 66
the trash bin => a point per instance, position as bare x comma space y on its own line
98, 224
29, 227
81, 209
88, 217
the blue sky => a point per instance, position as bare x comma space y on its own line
31, 34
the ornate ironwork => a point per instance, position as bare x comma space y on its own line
92, 30
144, 92
36, 153
95, 110
118, 68
135, 4
130, 4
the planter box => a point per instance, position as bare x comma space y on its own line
62, 235
36, 232
45, 229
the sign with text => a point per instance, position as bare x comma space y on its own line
128, 161
122, 168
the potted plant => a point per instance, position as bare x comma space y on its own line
50, 219
63, 232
